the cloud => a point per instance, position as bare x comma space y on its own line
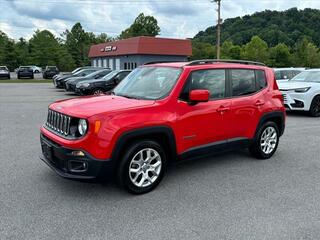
177, 18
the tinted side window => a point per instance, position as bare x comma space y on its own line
261, 79
213, 80
243, 82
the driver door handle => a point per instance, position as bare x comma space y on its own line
259, 103
223, 109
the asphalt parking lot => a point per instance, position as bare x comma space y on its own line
230, 196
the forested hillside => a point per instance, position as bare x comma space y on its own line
273, 27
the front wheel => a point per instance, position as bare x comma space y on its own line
266, 141
97, 91
315, 107
142, 167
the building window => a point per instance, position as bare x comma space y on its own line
125, 66
135, 65
132, 65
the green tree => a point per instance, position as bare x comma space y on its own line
255, 50
78, 42
142, 26
10, 56
44, 48
203, 51
22, 50
306, 54
3, 43
280, 56
230, 51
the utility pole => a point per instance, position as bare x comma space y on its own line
218, 27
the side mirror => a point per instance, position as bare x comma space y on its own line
200, 95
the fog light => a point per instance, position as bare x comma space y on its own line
78, 166
78, 154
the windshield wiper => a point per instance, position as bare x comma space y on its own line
128, 96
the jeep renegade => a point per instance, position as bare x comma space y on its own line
162, 113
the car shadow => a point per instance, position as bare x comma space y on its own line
176, 172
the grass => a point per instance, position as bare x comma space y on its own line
27, 81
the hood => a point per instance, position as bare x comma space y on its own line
63, 77
77, 79
91, 80
85, 107
294, 85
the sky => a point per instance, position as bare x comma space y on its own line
176, 18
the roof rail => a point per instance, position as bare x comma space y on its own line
156, 62
211, 61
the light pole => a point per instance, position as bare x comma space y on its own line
218, 28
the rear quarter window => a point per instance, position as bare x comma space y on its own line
243, 82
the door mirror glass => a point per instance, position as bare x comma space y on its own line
200, 95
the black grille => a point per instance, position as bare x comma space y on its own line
58, 122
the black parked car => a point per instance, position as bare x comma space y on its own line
99, 86
69, 73
25, 72
50, 71
4, 72
60, 81
70, 84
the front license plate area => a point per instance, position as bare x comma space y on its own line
47, 150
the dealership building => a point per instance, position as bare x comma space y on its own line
133, 52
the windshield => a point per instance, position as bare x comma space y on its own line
148, 83
307, 76
84, 72
3, 68
76, 70
52, 68
110, 75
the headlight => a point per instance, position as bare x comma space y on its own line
82, 126
82, 85
302, 90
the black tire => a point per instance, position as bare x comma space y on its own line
32, 77
256, 149
18, 76
97, 91
9, 77
123, 174
315, 107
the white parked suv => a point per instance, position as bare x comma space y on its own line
302, 92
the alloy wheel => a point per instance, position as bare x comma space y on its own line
268, 141
98, 92
145, 167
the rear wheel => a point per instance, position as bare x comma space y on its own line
142, 167
315, 107
32, 77
97, 91
266, 141
18, 76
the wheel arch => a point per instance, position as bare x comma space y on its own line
164, 135
277, 117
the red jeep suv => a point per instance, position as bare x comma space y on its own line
161, 113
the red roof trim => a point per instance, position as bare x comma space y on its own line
143, 46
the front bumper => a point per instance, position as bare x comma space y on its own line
4, 75
82, 91
61, 160
70, 87
295, 101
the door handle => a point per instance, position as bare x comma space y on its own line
259, 103
223, 109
